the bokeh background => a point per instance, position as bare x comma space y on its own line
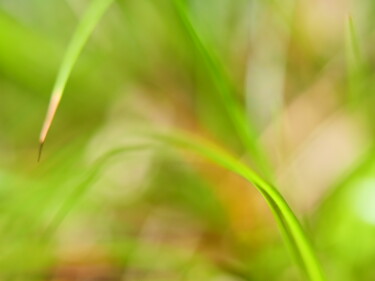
302, 74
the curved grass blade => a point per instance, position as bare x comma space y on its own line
289, 225
80, 37
287, 220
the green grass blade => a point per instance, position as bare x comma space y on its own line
290, 226
285, 232
80, 37
244, 129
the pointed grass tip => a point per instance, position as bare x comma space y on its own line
41, 144
52, 108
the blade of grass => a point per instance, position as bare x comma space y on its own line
244, 129
285, 232
80, 37
289, 225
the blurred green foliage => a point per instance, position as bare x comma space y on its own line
286, 86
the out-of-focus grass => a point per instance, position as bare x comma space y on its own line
82, 34
286, 86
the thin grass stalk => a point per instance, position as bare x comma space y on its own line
273, 197
244, 129
80, 37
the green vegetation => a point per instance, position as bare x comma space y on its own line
187, 132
